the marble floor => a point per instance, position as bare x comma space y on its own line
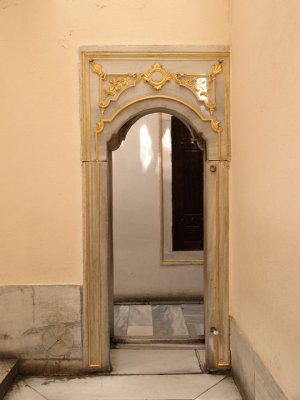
136, 375
160, 321
142, 374
134, 387
152, 362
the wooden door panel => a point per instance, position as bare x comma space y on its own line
187, 189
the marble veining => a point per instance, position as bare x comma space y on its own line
159, 321
140, 315
194, 318
168, 321
121, 315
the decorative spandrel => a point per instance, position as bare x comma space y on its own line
112, 85
202, 85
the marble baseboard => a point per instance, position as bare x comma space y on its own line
251, 376
52, 368
156, 298
40, 322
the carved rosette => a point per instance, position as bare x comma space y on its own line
157, 70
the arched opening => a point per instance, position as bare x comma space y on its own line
157, 300
100, 297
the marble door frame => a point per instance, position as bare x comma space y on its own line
102, 133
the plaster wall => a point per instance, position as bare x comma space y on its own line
138, 273
265, 215
41, 197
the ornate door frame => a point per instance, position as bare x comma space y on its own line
119, 85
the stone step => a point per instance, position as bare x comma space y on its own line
159, 346
8, 372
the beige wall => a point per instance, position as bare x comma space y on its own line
41, 225
138, 273
265, 275
41, 200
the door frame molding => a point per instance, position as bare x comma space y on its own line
103, 133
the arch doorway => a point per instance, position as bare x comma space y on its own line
196, 94
157, 186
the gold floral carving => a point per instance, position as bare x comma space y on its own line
216, 125
116, 84
203, 86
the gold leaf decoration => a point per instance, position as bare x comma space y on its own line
202, 85
100, 124
216, 69
216, 125
97, 68
165, 76
117, 84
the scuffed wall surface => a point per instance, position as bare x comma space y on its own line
41, 199
40, 322
265, 275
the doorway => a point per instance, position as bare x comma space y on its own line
158, 308
194, 88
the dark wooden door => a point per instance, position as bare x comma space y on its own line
187, 189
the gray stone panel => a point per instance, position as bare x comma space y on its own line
251, 376
40, 322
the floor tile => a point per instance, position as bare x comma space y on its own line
140, 315
154, 362
121, 315
224, 390
140, 331
168, 321
133, 387
21, 391
201, 355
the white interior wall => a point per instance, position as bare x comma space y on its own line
138, 272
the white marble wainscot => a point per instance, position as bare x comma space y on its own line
41, 322
121, 315
250, 374
140, 321
194, 318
